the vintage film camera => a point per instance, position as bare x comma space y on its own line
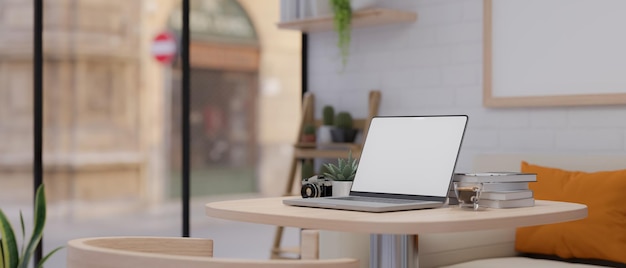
316, 186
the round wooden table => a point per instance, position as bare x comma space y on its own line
393, 229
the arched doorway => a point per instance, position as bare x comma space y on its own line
224, 53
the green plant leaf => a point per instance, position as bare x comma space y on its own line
39, 222
23, 233
1, 255
44, 259
9, 244
329, 171
333, 169
345, 170
341, 164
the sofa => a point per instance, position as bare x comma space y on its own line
497, 248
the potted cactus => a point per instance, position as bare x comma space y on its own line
308, 133
342, 174
328, 115
323, 132
343, 130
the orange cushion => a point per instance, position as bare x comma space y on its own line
602, 235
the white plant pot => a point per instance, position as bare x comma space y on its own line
323, 135
341, 188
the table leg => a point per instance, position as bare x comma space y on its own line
394, 251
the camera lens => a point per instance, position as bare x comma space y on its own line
310, 190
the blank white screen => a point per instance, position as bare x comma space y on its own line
410, 155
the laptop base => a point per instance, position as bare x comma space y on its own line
334, 203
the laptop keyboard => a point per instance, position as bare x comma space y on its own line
379, 200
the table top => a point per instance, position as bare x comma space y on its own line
448, 219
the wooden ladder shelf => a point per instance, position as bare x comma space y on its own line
304, 151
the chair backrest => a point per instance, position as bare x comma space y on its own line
158, 252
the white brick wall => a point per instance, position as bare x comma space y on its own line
434, 66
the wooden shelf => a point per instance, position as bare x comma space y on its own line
340, 145
361, 18
309, 150
313, 150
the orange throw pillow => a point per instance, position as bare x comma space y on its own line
602, 235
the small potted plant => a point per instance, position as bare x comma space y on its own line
342, 174
10, 256
343, 130
328, 118
308, 133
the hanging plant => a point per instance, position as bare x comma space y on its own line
342, 20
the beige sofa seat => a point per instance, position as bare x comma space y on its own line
436, 250
518, 262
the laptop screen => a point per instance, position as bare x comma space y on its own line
412, 155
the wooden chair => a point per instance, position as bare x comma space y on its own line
161, 252
304, 150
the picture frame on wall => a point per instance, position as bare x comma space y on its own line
554, 53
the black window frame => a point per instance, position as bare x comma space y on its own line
38, 92
38, 27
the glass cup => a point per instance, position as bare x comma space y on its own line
468, 193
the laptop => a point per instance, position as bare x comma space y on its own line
407, 162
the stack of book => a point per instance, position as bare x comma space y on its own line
500, 189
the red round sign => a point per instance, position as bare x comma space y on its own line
163, 47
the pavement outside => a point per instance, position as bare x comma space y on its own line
231, 239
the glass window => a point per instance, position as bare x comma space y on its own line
112, 129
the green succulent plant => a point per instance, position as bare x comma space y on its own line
323, 169
342, 21
10, 257
328, 115
308, 129
343, 120
345, 170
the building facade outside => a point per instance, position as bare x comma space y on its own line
112, 112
